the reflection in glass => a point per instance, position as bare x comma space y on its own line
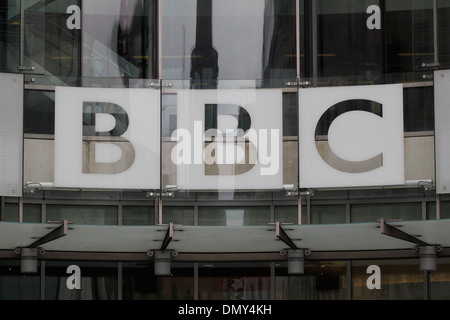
233, 216
234, 281
119, 39
16, 286
98, 215
400, 280
138, 215
323, 280
228, 40
98, 281
373, 212
140, 283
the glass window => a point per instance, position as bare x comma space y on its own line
286, 214
140, 283
399, 280
234, 281
229, 40
440, 280
119, 39
374, 212
328, 214
138, 215
39, 112
443, 34
239, 216
322, 280
178, 215
17, 286
31, 212
99, 215
98, 281
346, 51
418, 109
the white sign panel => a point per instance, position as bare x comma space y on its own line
442, 130
11, 134
229, 139
351, 136
107, 138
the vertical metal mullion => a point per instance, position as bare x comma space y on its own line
196, 281
22, 32
20, 209
435, 33
42, 281
349, 281
298, 47
119, 281
424, 210
159, 40
272, 280
43, 212
119, 214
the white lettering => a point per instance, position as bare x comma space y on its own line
374, 21
374, 281
74, 21
74, 281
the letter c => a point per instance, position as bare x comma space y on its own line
324, 125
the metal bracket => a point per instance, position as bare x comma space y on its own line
282, 235
392, 231
57, 233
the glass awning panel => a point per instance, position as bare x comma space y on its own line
219, 239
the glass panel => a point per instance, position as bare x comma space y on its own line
98, 281
286, 214
373, 212
443, 34
326, 214
234, 281
233, 216
445, 210
138, 215
119, 39
346, 51
418, 109
50, 47
17, 286
178, 215
31, 212
400, 280
228, 141
234, 40
9, 35
99, 215
139, 282
39, 112
322, 280
440, 280
409, 37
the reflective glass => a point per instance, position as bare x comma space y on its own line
238, 216
98, 281
399, 280
223, 39
234, 281
322, 280
99, 215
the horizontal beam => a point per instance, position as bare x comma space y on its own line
224, 257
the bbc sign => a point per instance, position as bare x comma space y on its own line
228, 139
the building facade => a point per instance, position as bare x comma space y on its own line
229, 136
